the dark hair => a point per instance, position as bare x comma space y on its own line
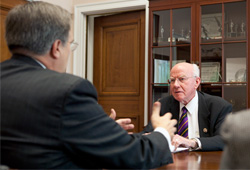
36, 25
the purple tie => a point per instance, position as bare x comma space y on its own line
183, 124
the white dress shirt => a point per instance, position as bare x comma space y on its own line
40, 63
193, 124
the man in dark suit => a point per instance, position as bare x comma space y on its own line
50, 119
205, 112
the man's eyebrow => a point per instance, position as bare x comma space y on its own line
179, 76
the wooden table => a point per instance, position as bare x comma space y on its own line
195, 160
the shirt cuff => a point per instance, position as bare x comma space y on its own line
198, 143
165, 133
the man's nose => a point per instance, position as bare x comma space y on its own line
176, 82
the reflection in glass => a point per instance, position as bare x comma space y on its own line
160, 92
235, 62
161, 53
240, 75
180, 54
213, 89
211, 23
161, 71
211, 63
161, 65
235, 21
236, 95
161, 27
181, 26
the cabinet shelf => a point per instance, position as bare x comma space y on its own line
224, 83
224, 42
160, 85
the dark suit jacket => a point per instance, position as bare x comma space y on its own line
211, 113
52, 120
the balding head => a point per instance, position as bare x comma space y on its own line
184, 81
190, 68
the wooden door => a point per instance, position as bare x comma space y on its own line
5, 7
119, 44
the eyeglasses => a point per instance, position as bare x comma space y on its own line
73, 45
180, 79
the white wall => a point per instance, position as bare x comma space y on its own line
66, 4
78, 2
69, 4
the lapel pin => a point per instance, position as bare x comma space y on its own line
205, 130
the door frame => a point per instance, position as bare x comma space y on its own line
84, 35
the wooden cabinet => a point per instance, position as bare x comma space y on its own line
213, 34
5, 7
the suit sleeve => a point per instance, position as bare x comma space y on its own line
93, 140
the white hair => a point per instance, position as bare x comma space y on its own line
196, 70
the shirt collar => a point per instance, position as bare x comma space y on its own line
191, 105
43, 66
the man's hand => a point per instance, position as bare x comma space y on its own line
179, 141
163, 121
112, 114
124, 123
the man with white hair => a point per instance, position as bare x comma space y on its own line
204, 113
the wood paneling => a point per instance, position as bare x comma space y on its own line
120, 71
119, 64
5, 7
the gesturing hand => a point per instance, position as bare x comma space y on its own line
163, 121
125, 123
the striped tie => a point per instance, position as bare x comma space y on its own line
183, 124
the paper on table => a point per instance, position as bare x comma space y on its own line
179, 149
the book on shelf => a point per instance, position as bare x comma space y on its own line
161, 71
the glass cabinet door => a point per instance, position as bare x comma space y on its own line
211, 23
181, 35
161, 27
181, 29
223, 52
235, 75
211, 63
171, 43
235, 62
235, 21
161, 70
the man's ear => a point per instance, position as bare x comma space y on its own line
55, 49
197, 82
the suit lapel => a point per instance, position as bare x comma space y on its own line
169, 104
203, 116
174, 109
